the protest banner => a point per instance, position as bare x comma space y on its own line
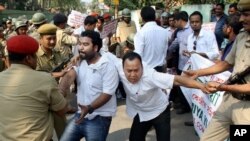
108, 28
203, 106
209, 26
75, 18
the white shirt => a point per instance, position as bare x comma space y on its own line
95, 79
79, 30
151, 42
146, 97
205, 43
170, 32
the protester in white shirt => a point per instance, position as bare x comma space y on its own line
97, 80
146, 103
201, 41
151, 42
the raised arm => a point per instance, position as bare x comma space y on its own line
66, 81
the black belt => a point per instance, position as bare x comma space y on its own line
243, 97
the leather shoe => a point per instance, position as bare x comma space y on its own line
189, 123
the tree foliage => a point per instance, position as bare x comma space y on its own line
135, 4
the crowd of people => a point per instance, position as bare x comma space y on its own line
39, 76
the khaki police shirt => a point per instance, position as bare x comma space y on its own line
124, 30
239, 54
46, 62
27, 98
64, 42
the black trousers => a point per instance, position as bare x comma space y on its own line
161, 124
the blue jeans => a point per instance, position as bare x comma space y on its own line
93, 130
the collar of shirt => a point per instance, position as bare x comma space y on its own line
40, 52
201, 34
22, 66
186, 26
147, 24
103, 60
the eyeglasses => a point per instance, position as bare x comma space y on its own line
194, 48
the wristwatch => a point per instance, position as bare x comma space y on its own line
90, 109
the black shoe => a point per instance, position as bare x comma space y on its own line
189, 123
182, 111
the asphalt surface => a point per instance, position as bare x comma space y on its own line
121, 123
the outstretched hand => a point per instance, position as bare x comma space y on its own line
84, 112
212, 86
190, 73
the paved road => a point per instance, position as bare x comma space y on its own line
120, 127
121, 123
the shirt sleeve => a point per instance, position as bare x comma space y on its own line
213, 51
162, 80
110, 79
69, 39
57, 101
139, 43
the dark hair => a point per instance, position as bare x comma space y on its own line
131, 56
171, 16
89, 20
95, 37
197, 13
148, 14
100, 18
183, 15
234, 21
15, 57
221, 5
59, 19
233, 5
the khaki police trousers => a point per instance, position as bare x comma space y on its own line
231, 111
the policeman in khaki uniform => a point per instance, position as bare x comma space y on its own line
126, 26
64, 40
21, 28
37, 20
47, 59
27, 97
235, 107
124, 29
9, 28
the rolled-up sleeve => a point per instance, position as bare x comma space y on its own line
110, 79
